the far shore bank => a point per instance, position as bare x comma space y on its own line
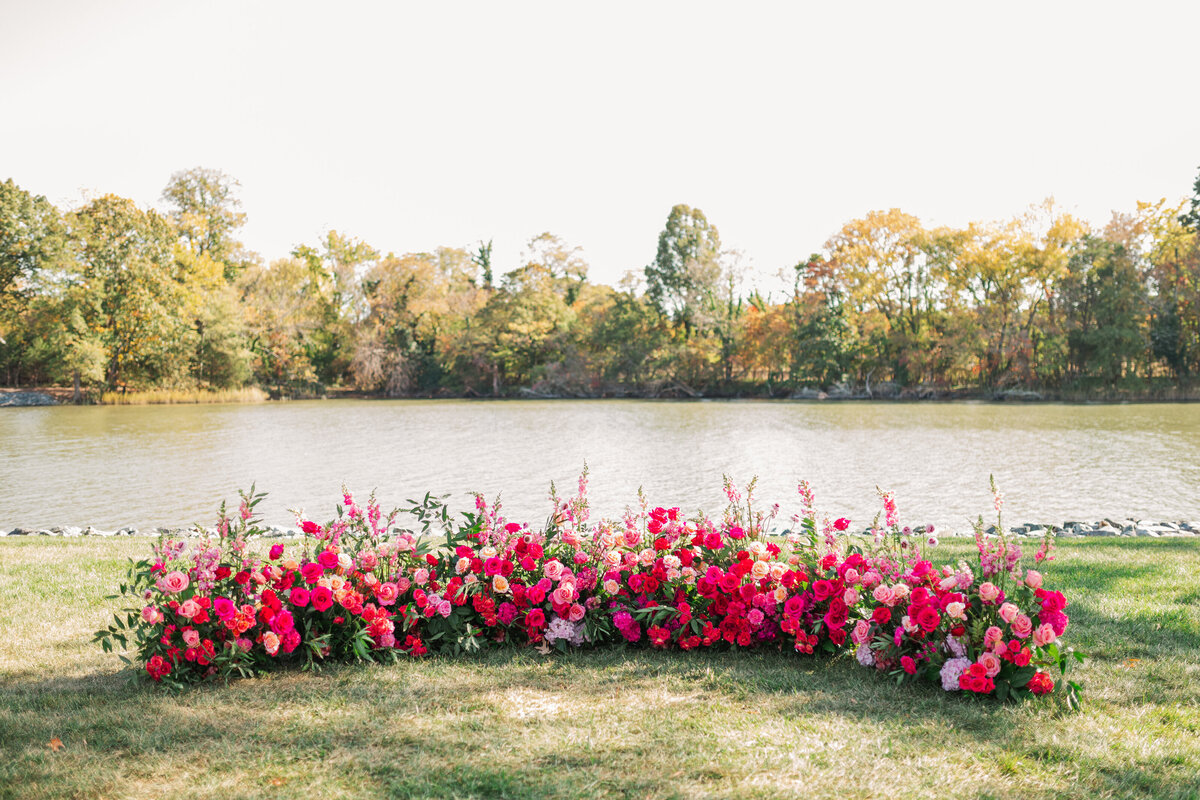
58, 395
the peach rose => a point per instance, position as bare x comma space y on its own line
991, 663
1008, 612
1022, 626
1044, 635
989, 592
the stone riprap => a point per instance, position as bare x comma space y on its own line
26, 399
1105, 527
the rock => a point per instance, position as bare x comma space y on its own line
26, 399
1105, 530
1017, 394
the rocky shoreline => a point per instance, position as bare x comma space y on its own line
26, 399
1102, 528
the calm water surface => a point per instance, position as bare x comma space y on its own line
171, 465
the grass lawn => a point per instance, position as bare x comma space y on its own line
601, 724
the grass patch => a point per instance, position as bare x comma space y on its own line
609, 724
250, 394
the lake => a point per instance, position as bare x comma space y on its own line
148, 466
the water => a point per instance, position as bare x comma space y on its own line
171, 465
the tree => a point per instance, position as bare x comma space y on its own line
129, 274
335, 269
32, 238
204, 209
1191, 217
1105, 300
686, 268
482, 257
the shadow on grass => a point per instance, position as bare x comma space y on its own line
447, 727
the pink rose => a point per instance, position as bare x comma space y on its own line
152, 615
851, 576
271, 643
1022, 626
189, 609
850, 597
327, 559
191, 637
1044, 635
1033, 579
224, 608
386, 593
172, 583
576, 613
421, 576
884, 595
989, 592
444, 608
1008, 612
862, 632
991, 636
552, 569
276, 551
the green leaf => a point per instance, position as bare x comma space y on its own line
1021, 676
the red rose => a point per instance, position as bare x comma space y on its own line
928, 619
908, 664
312, 572
321, 598
841, 524
882, 615
1041, 683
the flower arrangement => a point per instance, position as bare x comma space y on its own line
360, 588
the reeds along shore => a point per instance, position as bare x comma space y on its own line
251, 394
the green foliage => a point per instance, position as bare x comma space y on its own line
116, 296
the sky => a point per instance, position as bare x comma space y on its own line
412, 126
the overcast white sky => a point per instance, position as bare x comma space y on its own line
418, 125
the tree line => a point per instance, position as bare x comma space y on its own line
111, 295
